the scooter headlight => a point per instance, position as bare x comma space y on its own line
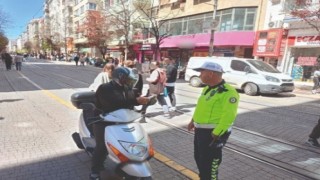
137, 149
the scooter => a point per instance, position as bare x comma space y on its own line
126, 141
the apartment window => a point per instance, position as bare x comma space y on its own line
155, 11
226, 20
82, 9
176, 27
239, 17
175, 5
76, 12
164, 27
91, 6
250, 18
195, 26
195, 2
235, 19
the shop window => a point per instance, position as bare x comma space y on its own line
238, 65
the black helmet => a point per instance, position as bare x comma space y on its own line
125, 77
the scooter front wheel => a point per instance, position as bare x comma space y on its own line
128, 177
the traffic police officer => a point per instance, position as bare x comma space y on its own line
213, 117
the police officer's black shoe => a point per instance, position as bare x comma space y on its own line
313, 142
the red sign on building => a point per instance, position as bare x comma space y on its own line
307, 61
268, 43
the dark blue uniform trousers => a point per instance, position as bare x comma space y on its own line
208, 155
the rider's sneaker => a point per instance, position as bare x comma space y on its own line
313, 142
314, 91
94, 176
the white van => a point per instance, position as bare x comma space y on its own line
250, 75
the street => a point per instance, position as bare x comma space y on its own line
37, 120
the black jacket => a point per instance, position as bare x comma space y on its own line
171, 73
111, 96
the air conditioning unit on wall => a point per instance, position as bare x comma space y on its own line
275, 24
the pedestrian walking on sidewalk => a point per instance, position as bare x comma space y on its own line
315, 134
82, 59
212, 120
157, 81
76, 59
7, 60
18, 61
316, 76
171, 72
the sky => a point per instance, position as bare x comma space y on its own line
20, 13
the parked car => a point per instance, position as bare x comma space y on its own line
250, 75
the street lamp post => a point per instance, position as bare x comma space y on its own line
213, 26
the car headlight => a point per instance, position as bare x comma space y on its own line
272, 79
137, 149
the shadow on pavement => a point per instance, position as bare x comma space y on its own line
10, 100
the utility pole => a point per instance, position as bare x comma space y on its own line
213, 27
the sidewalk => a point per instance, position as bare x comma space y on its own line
303, 85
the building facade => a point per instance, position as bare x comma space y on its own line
80, 10
191, 22
289, 43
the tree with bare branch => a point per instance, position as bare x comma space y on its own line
28, 46
122, 16
307, 10
155, 24
96, 29
3, 42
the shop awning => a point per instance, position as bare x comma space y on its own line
233, 38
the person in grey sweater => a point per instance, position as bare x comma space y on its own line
18, 61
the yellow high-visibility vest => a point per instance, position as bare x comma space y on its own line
216, 108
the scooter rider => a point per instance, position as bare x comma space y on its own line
117, 94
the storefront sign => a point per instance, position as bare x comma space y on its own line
268, 43
307, 61
307, 40
146, 47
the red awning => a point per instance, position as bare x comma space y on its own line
234, 38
